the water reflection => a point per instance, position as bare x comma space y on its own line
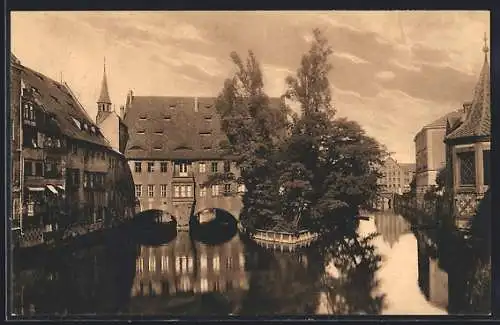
391, 226
397, 272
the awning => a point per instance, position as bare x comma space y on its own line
36, 189
61, 187
52, 189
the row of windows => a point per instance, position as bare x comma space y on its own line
185, 263
185, 190
182, 168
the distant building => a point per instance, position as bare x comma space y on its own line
64, 169
430, 153
468, 143
173, 149
396, 177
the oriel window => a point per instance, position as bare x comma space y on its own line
467, 168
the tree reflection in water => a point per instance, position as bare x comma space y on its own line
349, 279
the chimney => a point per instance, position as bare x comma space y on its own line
467, 106
130, 96
196, 104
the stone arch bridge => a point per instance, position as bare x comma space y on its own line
184, 209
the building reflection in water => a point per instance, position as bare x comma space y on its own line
432, 278
391, 227
185, 266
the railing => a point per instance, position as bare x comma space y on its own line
284, 237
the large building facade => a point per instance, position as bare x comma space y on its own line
174, 148
430, 153
64, 170
396, 177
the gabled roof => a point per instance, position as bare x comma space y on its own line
164, 127
478, 121
441, 122
58, 100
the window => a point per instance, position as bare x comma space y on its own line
214, 167
139, 265
215, 190
227, 188
486, 167
163, 190
227, 166
216, 263
183, 169
151, 167
138, 190
152, 264
28, 168
38, 169
164, 263
241, 188
203, 191
151, 190
183, 191
203, 167
138, 167
467, 168
163, 166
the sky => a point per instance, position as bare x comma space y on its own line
393, 71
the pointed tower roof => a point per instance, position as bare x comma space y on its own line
104, 96
477, 123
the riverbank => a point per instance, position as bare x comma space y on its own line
38, 241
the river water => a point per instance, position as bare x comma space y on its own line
387, 273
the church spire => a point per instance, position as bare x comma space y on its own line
104, 95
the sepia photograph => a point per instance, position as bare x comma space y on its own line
170, 164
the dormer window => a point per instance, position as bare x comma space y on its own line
142, 117
77, 123
39, 76
208, 106
85, 126
54, 98
167, 118
207, 133
92, 129
208, 118
141, 131
207, 148
159, 132
35, 90
172, 106
157, 147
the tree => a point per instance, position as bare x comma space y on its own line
253, 130
328, 165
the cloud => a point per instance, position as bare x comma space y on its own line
385, 75
350, 57
392, 71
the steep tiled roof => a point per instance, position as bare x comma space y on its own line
163, 127
441, 122
478, 120
58, 100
